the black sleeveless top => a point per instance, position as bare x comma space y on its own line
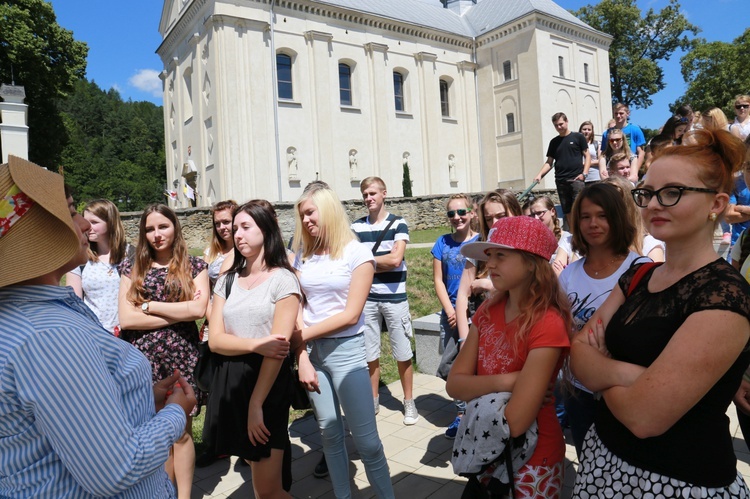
697, 449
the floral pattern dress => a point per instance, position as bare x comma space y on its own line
172, 347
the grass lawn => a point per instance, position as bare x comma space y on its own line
427, 235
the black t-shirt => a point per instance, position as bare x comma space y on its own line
568, 154
697, 449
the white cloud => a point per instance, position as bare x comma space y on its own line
147, 80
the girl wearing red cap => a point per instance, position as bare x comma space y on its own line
517, 344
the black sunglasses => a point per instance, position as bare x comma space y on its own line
741, 106
461, 213
666, 196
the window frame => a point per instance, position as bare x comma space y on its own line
284, 83
445, 108
349, 90
399, 96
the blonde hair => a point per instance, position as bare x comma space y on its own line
109, 214
714, 119
334, 231
609, 151
367, 182
543, 293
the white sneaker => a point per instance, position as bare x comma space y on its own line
377, 404
411, 416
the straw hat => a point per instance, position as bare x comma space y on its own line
40, 239
518, 233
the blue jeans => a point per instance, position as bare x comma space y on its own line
446, 333
580, 407
345, 380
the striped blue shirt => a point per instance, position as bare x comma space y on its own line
77, 413
387, 286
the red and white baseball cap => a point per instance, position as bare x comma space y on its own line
517, 233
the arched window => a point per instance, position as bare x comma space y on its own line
398, 91
284, 76
444, 103
345, 84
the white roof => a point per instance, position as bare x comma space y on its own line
479, 19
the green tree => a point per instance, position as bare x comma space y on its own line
639, 43
715, 72
406, 181
47, 61
116, 148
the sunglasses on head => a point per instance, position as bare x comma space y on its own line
461, 213
741, 106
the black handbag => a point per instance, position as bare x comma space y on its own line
297, 392
205, 367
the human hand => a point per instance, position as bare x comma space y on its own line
274, 346
558, 266
183, 395
549, 395
538, 179
742, 397
308, 377
163, 388
256, 430
596, 338
197, 295
451, 318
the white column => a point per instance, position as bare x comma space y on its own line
14, 132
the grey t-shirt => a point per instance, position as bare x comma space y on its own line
249, 313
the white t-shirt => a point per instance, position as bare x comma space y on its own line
587, 294
248, 313
650, 243
326, 282
101, 284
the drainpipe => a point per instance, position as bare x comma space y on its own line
479, 121
274, 84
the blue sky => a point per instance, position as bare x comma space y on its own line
123, 37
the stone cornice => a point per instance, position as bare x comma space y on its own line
175, 34
217, 20
425, 57
467, 65
337, 13
318, 35
547, 23
373, 47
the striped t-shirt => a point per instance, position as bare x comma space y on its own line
386, 286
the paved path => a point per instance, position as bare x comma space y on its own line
418, 456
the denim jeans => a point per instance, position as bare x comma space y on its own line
580, 407
446, 333
345, 380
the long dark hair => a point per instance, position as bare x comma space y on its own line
622, 231
274, 251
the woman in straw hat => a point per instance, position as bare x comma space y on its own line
78, 408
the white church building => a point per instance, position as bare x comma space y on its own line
263, 96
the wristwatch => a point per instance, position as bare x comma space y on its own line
144, 307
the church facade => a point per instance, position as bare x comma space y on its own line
263, 96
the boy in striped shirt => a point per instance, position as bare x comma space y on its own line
386, 235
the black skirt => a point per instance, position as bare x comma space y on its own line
225, 427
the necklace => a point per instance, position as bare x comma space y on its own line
605, 267
260, 274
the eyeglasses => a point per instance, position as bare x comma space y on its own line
537, 214
615, 140
461, 213
667, 196
741, 106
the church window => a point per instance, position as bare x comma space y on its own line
284, 76
398, 91
345, 84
